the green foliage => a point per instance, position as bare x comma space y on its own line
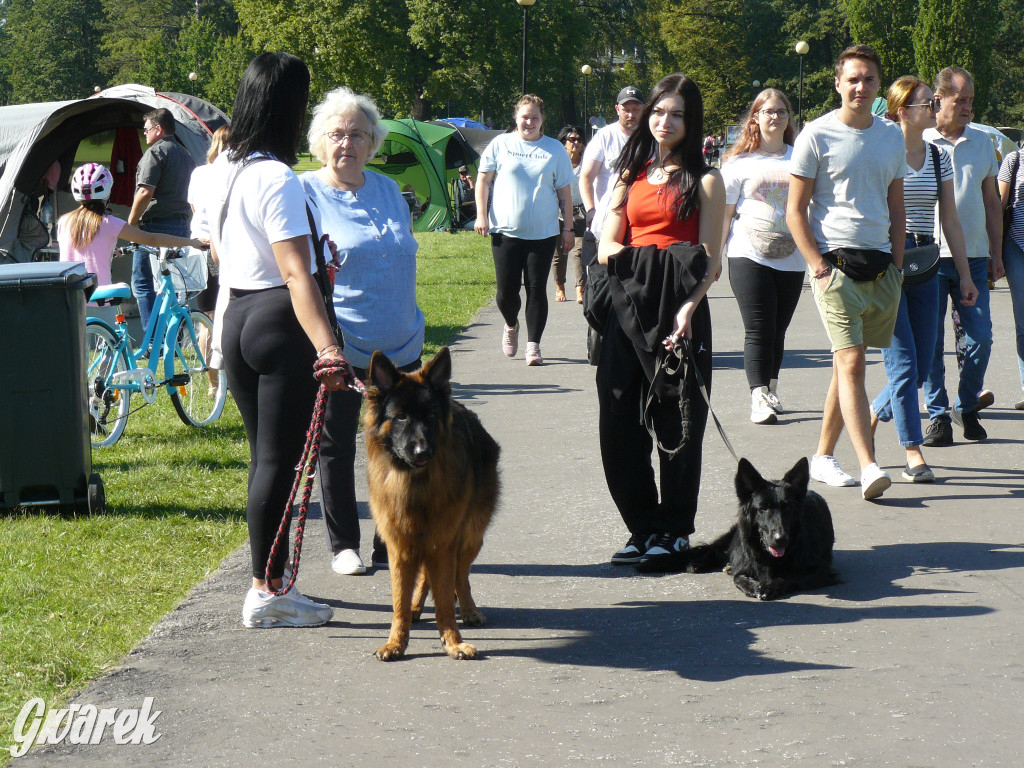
960, 33
889, 33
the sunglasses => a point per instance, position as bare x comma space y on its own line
573, 139
932, 104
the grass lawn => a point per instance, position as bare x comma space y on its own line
78, 593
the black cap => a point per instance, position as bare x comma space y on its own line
629, 93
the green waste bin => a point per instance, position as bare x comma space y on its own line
45, 454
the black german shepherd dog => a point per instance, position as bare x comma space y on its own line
781, 542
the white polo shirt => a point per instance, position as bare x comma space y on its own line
974, 160
604, 149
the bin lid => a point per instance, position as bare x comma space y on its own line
31, 274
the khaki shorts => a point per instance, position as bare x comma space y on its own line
856, 313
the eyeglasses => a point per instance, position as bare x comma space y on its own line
354, 138
932, 104
148, 128
775, 114
573, 139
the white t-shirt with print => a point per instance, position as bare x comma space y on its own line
852, 169
524, 202
758, 186
267, 205
604, 150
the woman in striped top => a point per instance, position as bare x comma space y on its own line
1012, 175
910, 102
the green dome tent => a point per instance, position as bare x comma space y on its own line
424, 158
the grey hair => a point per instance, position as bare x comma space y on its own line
343, 102
944, 80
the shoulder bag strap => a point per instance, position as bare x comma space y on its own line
321, 276
938, 190
1014, 165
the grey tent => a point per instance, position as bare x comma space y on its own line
35, 136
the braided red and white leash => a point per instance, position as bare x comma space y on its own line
305, 472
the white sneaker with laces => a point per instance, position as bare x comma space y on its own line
292, 609
533, 356
347, 563
510, 341
826, 469
761, 411
874, 481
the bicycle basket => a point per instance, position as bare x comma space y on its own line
188, 273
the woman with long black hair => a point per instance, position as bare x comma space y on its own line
275, 323
666, 194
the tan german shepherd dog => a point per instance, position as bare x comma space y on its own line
433, 476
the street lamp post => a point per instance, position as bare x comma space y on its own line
192, 76
801, 49
586, 69
526, 6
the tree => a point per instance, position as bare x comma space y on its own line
889, 33
50, 49
960, 33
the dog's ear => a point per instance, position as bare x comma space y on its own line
383, 374
799, 476
748, 479
438, 372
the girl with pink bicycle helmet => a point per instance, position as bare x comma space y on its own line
89, 233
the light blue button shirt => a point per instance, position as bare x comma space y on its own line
375, 291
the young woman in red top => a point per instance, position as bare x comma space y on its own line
666, 194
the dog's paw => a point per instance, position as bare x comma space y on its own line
461, 651
415, 614
390, 652
473, 617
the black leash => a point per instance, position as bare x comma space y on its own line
682, 352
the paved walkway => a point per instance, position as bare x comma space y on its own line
914, 660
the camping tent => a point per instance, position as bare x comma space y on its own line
424, 159
41, 140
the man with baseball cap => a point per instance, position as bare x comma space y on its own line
596, 175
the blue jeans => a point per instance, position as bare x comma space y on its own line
977, 326
1013, 260
142, 273
908, 359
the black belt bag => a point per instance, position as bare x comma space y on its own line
864, 265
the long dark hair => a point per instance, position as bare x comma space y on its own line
270, 108
683, 181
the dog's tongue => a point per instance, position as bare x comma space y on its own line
777, 551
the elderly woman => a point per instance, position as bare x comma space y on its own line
374, 293
531, 174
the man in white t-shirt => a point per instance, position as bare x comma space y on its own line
597, 172
845, 210
981, 215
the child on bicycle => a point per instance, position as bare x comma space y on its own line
89, 233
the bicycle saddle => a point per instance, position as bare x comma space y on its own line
111, 294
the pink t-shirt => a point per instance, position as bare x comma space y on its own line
98, 254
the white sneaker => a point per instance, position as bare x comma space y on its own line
874, 481
533, 356
347, 563
761, 411
292, 609
826, 469
510, 341
774, 402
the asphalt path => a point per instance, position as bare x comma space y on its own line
914, 660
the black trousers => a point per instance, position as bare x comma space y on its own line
269, 363
626, 445
518, 263
767, 298
336, 469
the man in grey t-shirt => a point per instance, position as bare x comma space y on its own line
161, 199
846, 205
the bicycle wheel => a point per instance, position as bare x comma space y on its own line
200, 400
108, 406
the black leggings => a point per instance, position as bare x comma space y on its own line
517, 263
767, 299
269, 363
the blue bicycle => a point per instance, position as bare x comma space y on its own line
177, 339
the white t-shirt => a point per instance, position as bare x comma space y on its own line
267, 205
604, 150
198, 190
759, 187
919, 194
974, 160
524, 203
852, 169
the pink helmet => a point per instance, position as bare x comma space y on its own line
92, 181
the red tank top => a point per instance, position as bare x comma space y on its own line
651, 220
